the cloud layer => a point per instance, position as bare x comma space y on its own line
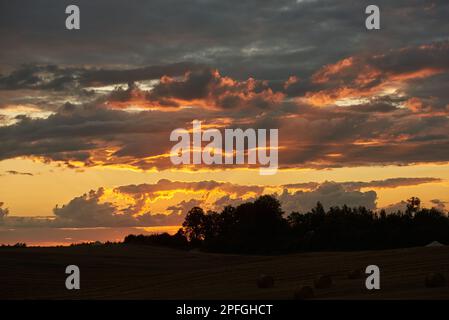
166, 202
340, 95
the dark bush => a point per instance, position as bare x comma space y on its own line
177, 240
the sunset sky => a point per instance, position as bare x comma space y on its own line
86, 115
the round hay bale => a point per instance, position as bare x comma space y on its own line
304, 293
322, 282
435, 280
435, 244
355, 274
265, 281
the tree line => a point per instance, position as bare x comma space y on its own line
260, 227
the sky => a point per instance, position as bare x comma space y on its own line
86, 115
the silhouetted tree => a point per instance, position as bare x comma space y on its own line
196, 225
413, 205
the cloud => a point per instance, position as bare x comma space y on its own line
101, 77
365, 75
215, 91
106, 208
439, 204
84, 134
3, 211
395, 207
184, 206
43, 77
390, 183
273, 38
302, 185
166, 202
329, 194
90, 135
114, 92
357, 185
14, 172
167, 185
88, 211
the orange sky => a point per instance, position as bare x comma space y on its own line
37, 195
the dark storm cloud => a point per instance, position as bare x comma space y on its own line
414, 58
367, 75
432, 93
251, 64
177, 83
52, 77
264, 39
343, 137
374, 106
268, 40
310, 137
97, 77
72, 133
215, 90
195, 86
396, 62
22, 78
95, 135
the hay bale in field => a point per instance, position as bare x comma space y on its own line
304, 293
356, 274
435, 244
265, 281
322, 282
435, 280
